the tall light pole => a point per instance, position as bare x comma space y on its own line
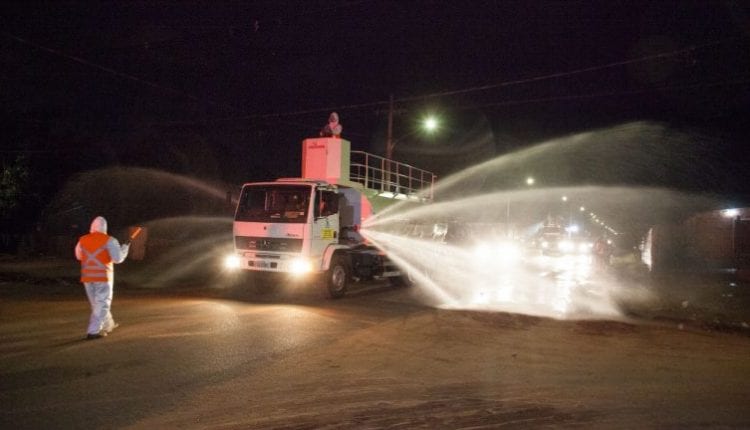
429, 124
389, 144
529, 182
570, 210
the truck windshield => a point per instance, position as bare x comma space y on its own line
274, 203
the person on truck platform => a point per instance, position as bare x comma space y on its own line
333, 128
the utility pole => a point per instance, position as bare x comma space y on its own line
389, 142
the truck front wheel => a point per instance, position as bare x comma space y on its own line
338, 277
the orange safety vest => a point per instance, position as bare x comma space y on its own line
95, 259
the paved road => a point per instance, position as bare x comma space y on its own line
376, 359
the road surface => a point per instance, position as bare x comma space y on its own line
375, 359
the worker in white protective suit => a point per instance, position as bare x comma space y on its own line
97, 252
333, 128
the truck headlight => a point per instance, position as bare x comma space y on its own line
300, 266
232, 262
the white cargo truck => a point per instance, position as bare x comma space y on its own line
309, 227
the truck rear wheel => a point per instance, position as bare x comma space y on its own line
338, 277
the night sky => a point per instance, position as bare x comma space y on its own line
225, 91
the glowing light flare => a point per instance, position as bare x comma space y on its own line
730, 213
503, 252
232, 262
509, 252
300, 266
482, 253
430, 124
566, 246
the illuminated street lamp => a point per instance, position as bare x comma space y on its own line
430, 124
529, 181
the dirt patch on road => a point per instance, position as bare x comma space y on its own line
449, 412
603, 328
501, 319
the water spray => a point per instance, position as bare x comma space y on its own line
496, 214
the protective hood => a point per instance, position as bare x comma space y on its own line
99, 224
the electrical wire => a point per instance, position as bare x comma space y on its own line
662, 55
115, 72
608, 94
357, 106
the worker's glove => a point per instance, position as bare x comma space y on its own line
125, 247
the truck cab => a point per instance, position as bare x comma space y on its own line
308, 227
288, 225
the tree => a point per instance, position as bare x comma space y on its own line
13, 180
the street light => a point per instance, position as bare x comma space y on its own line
570, 211
529, 181
429, 124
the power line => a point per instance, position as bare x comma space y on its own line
115, 72
255, 24
38, 151
339, 108
278, 115
609, 94
662, 55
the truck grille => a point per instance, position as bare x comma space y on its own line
268, 244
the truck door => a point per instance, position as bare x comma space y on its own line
325, 228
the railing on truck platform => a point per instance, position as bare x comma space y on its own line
389, 176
